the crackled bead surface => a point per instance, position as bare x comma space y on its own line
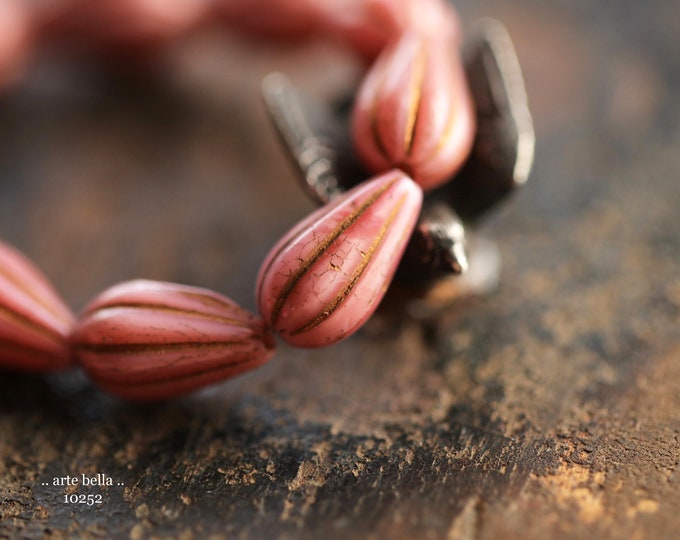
325, 278
413, 111
34, 322
150, 340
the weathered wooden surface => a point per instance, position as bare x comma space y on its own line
550, 409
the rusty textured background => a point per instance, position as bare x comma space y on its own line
549, 409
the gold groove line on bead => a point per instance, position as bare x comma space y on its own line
375, 132
30, 324
23, 287
165, 380
320, 249
446, 136
415, 101
171, 309
140, 348
330, 308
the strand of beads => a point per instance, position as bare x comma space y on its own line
412, 126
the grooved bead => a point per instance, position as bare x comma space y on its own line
413, 111
326, 277
150, 340
34, 322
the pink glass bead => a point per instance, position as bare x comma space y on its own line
326, 277
34, 322
149, 340
413, 112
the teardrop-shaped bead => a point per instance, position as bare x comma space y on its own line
413, 111
290, 20
34, 322
150, 340
326, 277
